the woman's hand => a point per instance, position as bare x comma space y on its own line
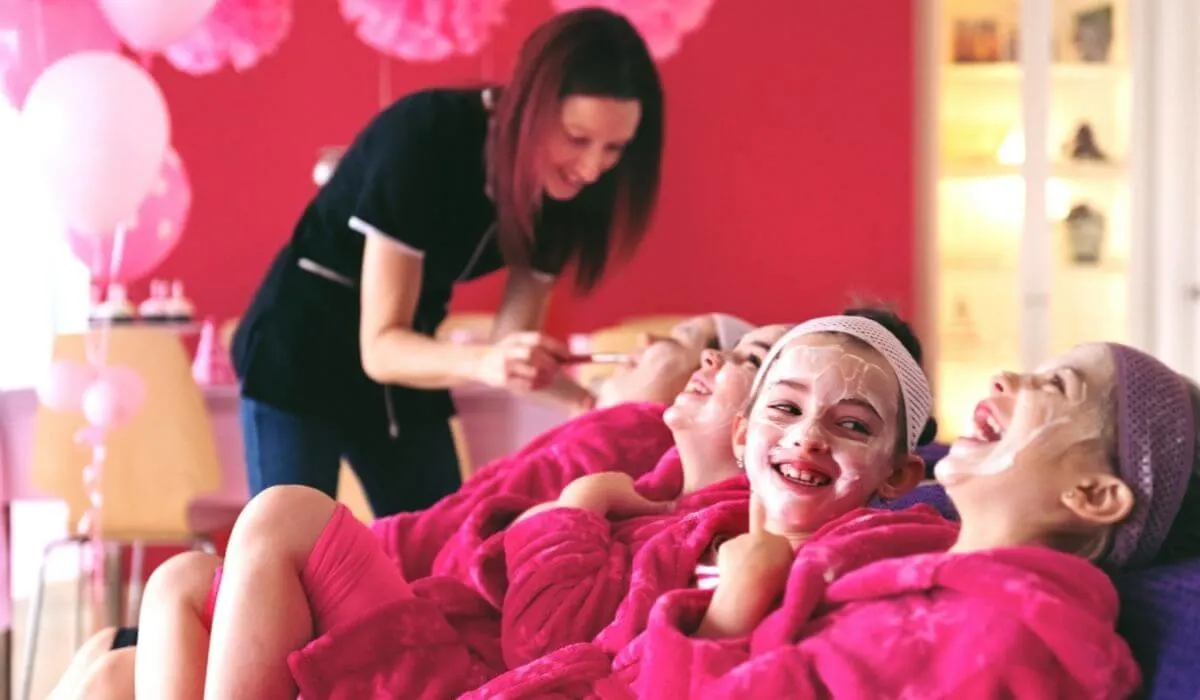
521, 362
752, 571
610, 493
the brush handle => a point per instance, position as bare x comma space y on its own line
597, 358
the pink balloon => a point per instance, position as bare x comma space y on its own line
97, 129
65, 385
113, 399
36, 33
150, 238
152, 25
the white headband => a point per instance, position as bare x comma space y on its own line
914, 386
730, 330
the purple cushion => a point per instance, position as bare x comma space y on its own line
929, 494
1160, 612
1160, 617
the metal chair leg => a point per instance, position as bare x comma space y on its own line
137, 562
34, 619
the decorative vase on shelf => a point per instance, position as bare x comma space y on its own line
1085, 234
962, 341
1094, 34
1083, 145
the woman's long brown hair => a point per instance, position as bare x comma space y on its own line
590, 52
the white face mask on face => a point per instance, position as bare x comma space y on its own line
1035, 417
821, 437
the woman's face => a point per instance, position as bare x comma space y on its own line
1034, 419
821, 437
718, 390
585, 142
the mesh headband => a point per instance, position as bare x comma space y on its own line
914, 386
1155, 449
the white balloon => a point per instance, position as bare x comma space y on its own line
97, 128
153, 25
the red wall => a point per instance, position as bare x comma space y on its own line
789, 182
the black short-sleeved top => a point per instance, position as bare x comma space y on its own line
415, 175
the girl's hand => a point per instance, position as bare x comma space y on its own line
610, 493
752, 572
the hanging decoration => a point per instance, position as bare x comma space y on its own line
424, 31
150, 236
149, 26
237, 33
662, 23
36, 33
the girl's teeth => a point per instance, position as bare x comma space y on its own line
803, 476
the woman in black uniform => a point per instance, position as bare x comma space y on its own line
336, 353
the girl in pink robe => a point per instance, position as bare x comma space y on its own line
345, 557
1073, 469
353, 660
628, 434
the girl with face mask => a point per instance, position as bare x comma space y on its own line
1074, 471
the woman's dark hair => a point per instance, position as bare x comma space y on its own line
591, 52
908, 338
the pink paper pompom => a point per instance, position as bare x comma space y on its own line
662, 23
239, 33
424, 30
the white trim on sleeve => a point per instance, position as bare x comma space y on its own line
366, 229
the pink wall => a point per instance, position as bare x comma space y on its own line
789, 182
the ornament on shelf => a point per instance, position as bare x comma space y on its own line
962, 340
116, 307
154, 308
1085, 234
178, 308
1094, 34
1083, 146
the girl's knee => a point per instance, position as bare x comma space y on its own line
184, 578
284, 519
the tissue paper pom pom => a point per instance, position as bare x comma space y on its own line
237, 32
424, 30
662, 23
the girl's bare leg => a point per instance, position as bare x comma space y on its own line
172, 636
109, 677
94, 648
263, 612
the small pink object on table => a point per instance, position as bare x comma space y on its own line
212, 366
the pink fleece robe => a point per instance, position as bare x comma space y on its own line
628, 437
572, 575
448, 638
864, 615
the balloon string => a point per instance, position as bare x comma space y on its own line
96, 348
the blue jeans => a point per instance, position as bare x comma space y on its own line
411, 472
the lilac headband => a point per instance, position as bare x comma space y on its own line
1155, 449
